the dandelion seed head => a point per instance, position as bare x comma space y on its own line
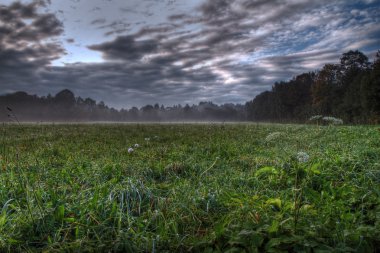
302, 157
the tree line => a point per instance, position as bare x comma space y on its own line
349, 90
64, 106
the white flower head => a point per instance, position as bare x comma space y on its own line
303, 157
273, 136
136, 145
147, 139
316, 118
333, 120
130, 150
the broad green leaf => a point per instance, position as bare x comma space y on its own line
275, 202
60, 212
265, 171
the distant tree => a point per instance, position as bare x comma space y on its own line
261, 108
65, 97
354, 61
89, 108
149, 113
90, 102
133, 113
102, 106
354, 66
79, 101
187, 111
147, 108
287, 101
293, 98
370, 92
325, 88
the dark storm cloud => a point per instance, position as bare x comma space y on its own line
14, 22
126, 47
22, 51
43, 26
18, 10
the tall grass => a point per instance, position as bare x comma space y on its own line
189, 188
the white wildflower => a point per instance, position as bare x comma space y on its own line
136, 145
333, 120
147, 139
273, 136
316, 118
130, 150
302, 157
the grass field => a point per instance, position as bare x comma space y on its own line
189, 187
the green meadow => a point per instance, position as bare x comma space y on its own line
189, 188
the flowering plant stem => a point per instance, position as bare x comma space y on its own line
298, 192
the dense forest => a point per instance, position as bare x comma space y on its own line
349, 90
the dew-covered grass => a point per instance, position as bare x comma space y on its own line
189, 187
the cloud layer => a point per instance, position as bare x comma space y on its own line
26, 45
224, 51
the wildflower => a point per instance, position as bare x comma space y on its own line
136, 145
316, 118
302, 157
130, 150
333, 120
147, 139
272, 136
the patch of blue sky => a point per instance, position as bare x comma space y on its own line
371, 46
278, 45
77, 54
295, 42
281, 45
305, 39
362, 4
361, 12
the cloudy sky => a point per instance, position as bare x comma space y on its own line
134, 52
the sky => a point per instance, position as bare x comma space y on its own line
137, 52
